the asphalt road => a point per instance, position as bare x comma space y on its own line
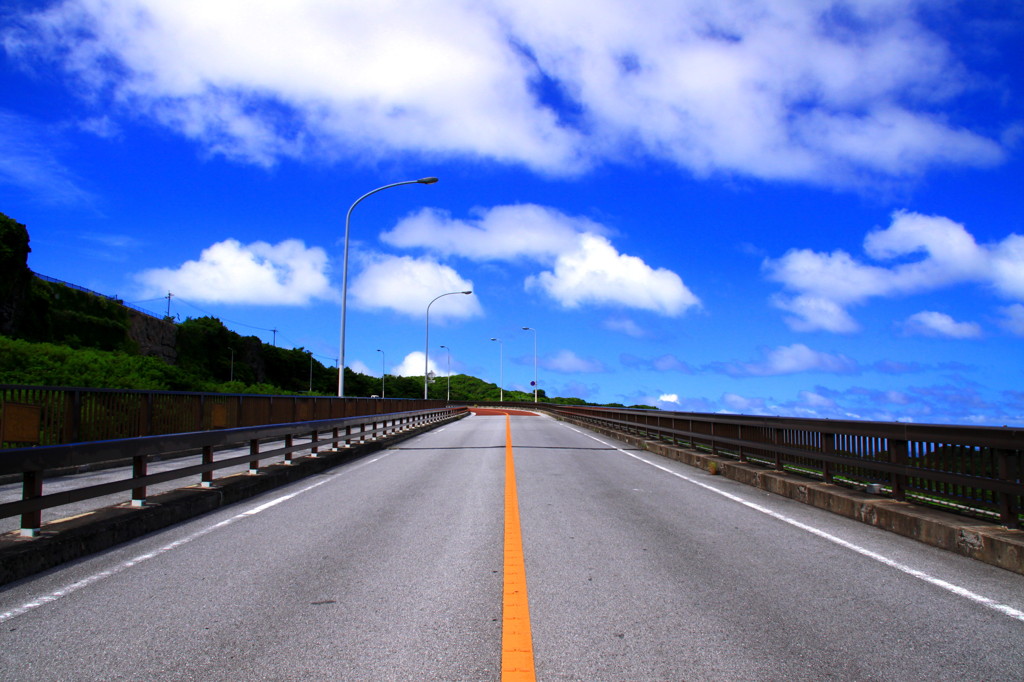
638, 568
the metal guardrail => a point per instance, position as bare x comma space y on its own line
969, 470
44, 415
115, 299
33, 462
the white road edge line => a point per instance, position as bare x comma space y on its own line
96, 577
921, 575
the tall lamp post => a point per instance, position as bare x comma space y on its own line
531, 329
449, 371
344, 273
426, 348
501, 371
381, 373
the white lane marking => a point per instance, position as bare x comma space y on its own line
96, 577
1004, 609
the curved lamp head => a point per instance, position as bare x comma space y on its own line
427, 181
466, 292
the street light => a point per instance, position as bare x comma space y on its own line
501, 371
426, 348
449, 372
344, 274
381, 373
531, 329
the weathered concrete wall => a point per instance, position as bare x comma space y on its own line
154, 336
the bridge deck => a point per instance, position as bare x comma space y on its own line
391, 567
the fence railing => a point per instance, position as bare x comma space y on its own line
32, 463
975, 471
115, 299
33, 415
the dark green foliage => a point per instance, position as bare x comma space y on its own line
47, 364
15, 277
14, 249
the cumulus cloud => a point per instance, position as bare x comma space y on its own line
408, 285
792, 359
522, 231
360, 367
830, 92
930, 252
931, 323
567, 362
597, 274
412, 366
286, 273
586, 268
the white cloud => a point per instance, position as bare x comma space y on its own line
669, 398
537, 233
286, 273
412, 366
823, 285
931, 323
360, 367
408, 285
775, 89
588, 270
567, 362
1013, 318
791, 359
597, 274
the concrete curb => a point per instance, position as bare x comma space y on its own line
987, 542
76, 537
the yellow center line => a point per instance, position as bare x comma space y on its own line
516, 641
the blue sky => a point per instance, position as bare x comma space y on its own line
771, 207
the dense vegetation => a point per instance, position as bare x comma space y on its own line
54, 335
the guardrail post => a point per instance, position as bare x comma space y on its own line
1009, 504
898, 455
348, 436
138, 471
206, 478
313, 451
775, 450
828, 447
739, 446
289, 440
31, 487
254, 463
